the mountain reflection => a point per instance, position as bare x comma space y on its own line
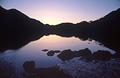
17, 30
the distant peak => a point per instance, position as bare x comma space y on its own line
1, 9
13, 10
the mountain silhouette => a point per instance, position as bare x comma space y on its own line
17, 29
106, 30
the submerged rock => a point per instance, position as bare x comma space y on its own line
45, 50
66, 55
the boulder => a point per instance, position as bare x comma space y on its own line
45, 50
84, 52
52, 52
66, 55
29, 66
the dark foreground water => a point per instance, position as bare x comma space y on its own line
33, 51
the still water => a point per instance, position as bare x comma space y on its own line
33, 51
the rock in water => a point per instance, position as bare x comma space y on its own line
102, 55
29, 66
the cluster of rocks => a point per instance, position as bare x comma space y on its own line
69, 54
92, 69
86, 65
85, 53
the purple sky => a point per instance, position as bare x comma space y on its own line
57, 11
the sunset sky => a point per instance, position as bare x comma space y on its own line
57, 11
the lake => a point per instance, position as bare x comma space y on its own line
33, 51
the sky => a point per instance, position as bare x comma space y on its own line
60, 11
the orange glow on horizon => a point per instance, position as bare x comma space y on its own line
50, 20
56, 17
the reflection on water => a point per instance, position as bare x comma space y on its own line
54, 42
33, 50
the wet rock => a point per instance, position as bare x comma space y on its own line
101, 55
56, 51
52, 52
87, 55
66, 55
29, 66
85, 52
45, 50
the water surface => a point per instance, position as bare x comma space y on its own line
33, 50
